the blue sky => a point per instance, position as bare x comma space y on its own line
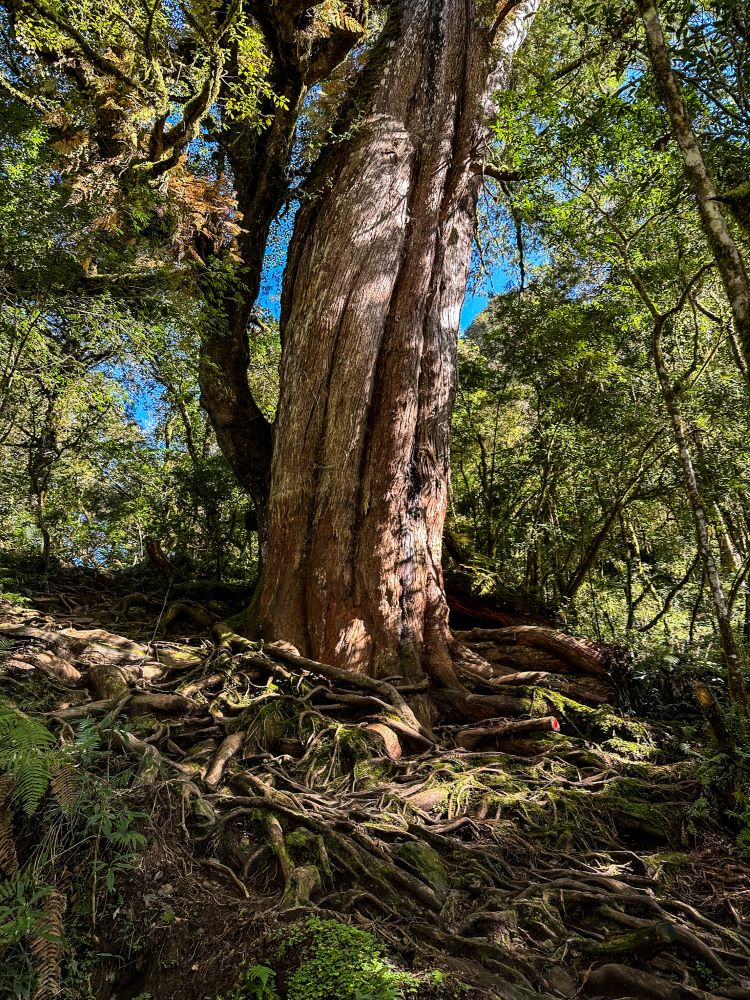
478, 294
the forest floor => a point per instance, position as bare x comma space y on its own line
278, 816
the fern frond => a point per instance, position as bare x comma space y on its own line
88, 735
27, 754
46, 947
8, 856
65, 784
20, 732
32, 771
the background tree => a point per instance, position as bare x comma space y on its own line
598, 199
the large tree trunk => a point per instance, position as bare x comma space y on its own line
304, 46
372, 295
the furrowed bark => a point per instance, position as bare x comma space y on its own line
372, 295
723, 247
302, 55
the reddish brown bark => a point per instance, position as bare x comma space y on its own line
556, 650
468, 610
302, 53
375, 280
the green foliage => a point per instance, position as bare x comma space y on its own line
566, 477
21, 918
74, 829
707, 976
245, 100
329, 958
102, 439
85, 474
724, 775
323, 958
257, 983
319, 958
20, 909
27, 755
126, 45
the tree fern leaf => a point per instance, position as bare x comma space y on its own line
65, 784
46, 947
8, 856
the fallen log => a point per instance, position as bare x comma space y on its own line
500, 730
459, 706
597, 693
586, 656
512, 657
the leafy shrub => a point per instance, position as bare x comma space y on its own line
337, 960
320, 959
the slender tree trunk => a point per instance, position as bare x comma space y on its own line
736, 683
259, 165
372, 295
728, 259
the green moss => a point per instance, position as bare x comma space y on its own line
632, 750
599, 722
371, 773
633, 808
665, 864
335, 751
307, 848
270, 721
427, 863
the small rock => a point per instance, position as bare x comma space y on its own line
559, 982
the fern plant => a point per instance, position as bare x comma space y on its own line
27, 755
30, 937
81, 812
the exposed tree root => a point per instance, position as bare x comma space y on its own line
535, 862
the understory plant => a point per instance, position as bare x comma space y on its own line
66, 831
318, 958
